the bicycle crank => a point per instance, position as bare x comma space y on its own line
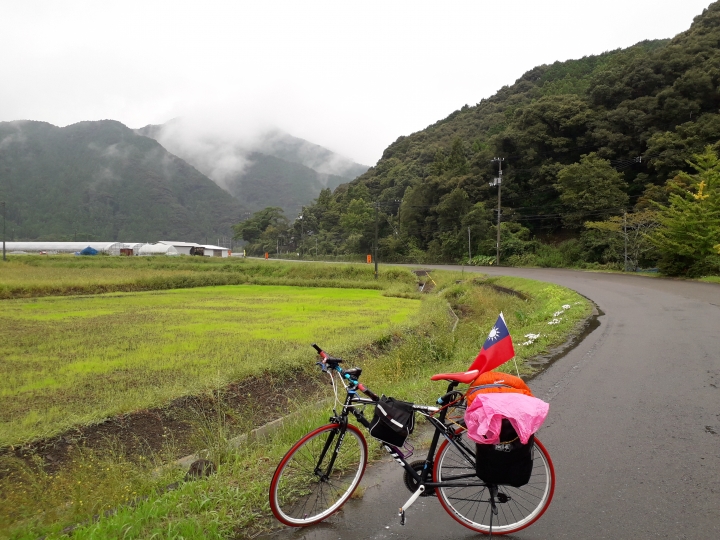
409, 503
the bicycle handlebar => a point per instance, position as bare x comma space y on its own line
333, 363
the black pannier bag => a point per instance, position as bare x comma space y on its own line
393, 421
509, 462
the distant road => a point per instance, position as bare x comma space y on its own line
633, 430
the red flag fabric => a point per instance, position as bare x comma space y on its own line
497, 349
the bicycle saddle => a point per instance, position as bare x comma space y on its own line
463, 377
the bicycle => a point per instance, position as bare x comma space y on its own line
322, 470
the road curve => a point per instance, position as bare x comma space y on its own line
633, 430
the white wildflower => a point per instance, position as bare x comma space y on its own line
531, 339
566, 306
558, 313
555, 321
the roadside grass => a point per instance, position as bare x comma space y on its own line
77, 360
233, 502
710, 279
60, 275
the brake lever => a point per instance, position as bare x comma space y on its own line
322, 365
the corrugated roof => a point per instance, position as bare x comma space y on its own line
181, 244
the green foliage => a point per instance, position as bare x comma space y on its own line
590, 188
689, 230
636, 115
631, 232
263, 230
482, 260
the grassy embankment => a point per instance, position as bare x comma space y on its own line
33, 276
233, 501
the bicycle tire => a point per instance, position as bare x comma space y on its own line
470, 507
299, 494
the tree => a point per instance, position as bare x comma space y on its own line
357, 216
633, 230
689, 229
590, 188
263, 230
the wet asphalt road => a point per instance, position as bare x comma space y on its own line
633, 430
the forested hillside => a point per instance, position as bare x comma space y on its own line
102, 181
268, 169
636, 115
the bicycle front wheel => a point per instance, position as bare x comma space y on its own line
470, 506
318, 475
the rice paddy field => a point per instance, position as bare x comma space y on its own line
33, 275
83, 340
78, 359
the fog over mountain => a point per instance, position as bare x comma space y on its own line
103, 181
261, 166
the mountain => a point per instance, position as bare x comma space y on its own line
284, 146
101, 180
645, 110
269, 169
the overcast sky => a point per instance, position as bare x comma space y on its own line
349, 75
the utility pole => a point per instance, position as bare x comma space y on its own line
316, 247
498, 182
376, 239
277, 249
469, 252
302, 231
3, 210
625, 235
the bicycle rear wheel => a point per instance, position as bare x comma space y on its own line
470, 506
316, 477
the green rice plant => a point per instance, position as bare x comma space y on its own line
77, 360
33, 276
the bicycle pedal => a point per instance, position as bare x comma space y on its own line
401, 513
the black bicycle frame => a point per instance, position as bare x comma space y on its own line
440, 429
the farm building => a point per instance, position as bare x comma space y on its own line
215, 251
183, 248
111, 248
157, 249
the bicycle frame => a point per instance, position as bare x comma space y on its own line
441, 428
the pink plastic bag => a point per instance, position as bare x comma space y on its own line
484, 416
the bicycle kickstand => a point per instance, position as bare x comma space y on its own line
409, 503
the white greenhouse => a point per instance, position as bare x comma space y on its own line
183, 248
157, 249
215, 251
135, 246
111, 248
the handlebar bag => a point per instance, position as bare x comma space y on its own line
510, 462
393, 421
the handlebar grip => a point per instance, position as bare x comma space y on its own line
319, 351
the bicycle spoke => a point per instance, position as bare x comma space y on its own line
471, 505
304, 490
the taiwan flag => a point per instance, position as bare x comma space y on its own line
496, 350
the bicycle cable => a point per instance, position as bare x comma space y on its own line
337, 401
